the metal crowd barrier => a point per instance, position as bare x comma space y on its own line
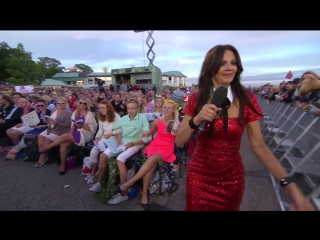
293, 135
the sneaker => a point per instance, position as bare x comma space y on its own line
118, 199
87, 178
96, 188
91, 180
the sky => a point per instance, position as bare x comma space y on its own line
265, 55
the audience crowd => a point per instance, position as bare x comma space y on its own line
303, 92
134, 118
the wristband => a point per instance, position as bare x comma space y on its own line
192, 125
285, 181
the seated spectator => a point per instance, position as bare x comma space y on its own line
107, 117
73, 99
140, 107
83, 129
41, 108
146, 104
58, 124
33, 99
95, 107
18, 130
158, 106
50, 105
6, 105
160, 149
118, 105
12, 119
132, 127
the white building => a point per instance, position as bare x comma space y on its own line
174, 78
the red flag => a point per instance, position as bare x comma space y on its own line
289, 75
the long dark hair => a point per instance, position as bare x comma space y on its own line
210, 67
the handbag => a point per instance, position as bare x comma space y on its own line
31, 140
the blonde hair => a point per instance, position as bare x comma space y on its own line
46, 98
87, 101
309, 85
175, 113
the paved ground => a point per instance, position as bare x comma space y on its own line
24, 187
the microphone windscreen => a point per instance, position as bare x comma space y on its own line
219, 96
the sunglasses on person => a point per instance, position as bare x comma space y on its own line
40, 105
60, 102
83, 103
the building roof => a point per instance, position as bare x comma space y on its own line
52, 82
174, 74
69, 75
99, 74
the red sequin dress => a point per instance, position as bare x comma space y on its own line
216, 177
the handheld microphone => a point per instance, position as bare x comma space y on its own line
218, 97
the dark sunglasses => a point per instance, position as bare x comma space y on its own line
60, 102
40, 105
83, 103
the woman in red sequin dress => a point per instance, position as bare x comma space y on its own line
216, 175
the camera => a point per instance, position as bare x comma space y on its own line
100, 85
99, 82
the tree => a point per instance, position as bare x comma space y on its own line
85, 68
21, 67
5, 54
48, 67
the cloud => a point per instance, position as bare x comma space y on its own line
261, 52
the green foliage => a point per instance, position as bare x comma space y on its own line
109, 181
5, 53
48, 67
85, 68
18, 67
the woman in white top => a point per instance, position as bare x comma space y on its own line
106, 118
